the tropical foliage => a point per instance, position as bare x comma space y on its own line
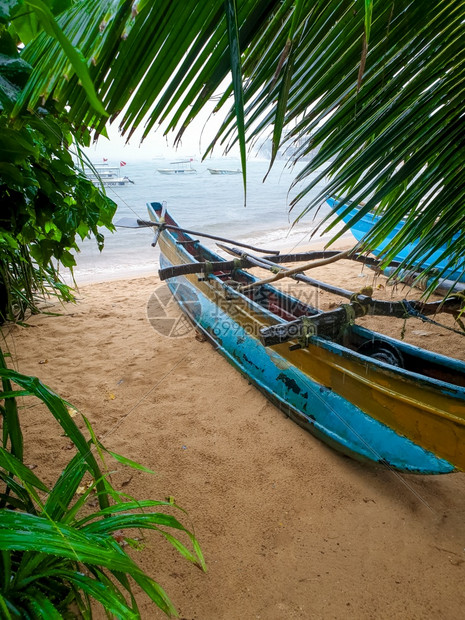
46, 201
57, 554
375, 86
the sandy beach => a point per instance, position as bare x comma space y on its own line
289, 528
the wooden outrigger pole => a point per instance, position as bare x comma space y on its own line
324, 323
245, 261
128, 222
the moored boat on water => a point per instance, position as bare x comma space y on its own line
183, 166
363, 393
222, 171
107, 175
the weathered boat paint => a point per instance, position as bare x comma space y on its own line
358, 405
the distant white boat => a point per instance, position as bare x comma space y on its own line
179, 168
107, 175
222, 171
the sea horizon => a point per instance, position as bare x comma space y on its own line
203, 202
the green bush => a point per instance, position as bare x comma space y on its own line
47, 201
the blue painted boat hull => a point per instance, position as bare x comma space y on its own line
366, 223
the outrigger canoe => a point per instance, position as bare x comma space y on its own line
365, 394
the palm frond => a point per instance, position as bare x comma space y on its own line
165, 60
23, 532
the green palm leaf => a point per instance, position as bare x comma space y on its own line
23, 532
58, 409
124, 507
147, 521
4, 608
40, 11
11, 426
40, 606
23, 498
102, 590
16, 467
58, 501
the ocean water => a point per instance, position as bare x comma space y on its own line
202, 202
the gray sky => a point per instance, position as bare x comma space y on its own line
198, 136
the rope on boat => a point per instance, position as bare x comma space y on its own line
418, 315
208, 268
308, 330
237, 265
350, 314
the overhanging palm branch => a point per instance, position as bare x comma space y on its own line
376, 86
